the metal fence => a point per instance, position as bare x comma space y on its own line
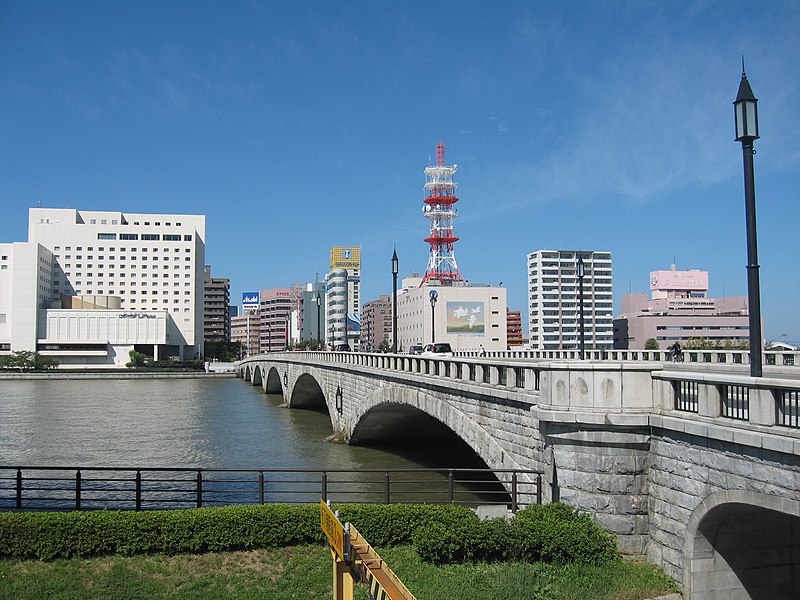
93, 488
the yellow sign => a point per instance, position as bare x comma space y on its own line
346, 257
332, 528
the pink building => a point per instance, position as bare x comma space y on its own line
680, 309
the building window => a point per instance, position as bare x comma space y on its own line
129, 236
151, 237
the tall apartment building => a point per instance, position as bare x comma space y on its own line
312, 311
216, 307
679, 310
275, 318
343, 305
553, 300
246, 331
89, 286
514, 328
376, 323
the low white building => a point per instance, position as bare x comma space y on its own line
468, 317
90, 286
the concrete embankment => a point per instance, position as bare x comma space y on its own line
60, 374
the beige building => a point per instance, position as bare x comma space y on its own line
89, 286
376, 323
468, 317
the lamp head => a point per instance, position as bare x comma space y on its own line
745, 111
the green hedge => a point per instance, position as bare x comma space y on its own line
551, 533
440, 533
78, 534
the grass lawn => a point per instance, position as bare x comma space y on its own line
300, 572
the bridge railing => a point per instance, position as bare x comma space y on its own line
93, 488
763, 401
780, 358
519, 375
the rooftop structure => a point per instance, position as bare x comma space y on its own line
440, 210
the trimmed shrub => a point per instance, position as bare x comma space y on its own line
48, 536
551, 533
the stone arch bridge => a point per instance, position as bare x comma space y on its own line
695, 465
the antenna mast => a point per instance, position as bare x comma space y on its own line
438, 207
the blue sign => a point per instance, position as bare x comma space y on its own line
250, 300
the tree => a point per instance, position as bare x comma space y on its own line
137, 359
384, 346
651, 344
25, 360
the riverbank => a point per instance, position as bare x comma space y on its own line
305, 572
115, 374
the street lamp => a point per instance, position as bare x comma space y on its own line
318, 300
339, 399
395, 271
581, 272
746, 115
434, 297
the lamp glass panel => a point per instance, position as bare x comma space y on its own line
739, 120
752, 123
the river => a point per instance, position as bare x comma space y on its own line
187, 423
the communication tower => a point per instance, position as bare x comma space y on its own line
439, 208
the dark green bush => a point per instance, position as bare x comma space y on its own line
77, 534
552, 533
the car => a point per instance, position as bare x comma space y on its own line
415, 349
438, 350
342, 348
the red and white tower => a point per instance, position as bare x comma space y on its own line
439, 208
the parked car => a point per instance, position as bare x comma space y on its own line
416, 349
439, 350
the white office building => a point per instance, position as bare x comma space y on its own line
90, 286
342, 301
554, 300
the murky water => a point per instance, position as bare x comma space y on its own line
190, 423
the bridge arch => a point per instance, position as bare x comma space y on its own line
257, 376
272, 385
307, 393
739, 541
387, 409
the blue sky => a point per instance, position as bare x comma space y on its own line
296, 126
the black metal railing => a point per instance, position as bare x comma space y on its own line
686, 396
735, 402
93, 488
789, 408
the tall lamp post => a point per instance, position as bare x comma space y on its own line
581, 272
434, 295
746, 116
318, 300
395, 271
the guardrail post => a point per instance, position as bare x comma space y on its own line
77, 490
19, 488
261, 487
138, 490
325, 486
450, 486
514, 492
386, 484
199, 489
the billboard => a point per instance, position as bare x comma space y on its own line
466, 318
345, 257
353, 325
679, 280
249, 301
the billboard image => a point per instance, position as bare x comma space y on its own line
353, 325
465, 318
249, 301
